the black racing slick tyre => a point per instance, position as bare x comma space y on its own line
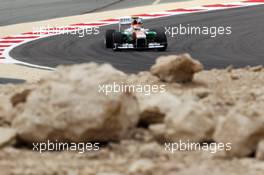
117, 40
109, 38
161, 38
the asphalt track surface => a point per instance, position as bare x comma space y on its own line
19, 11
134, 3
242, 48
11, 81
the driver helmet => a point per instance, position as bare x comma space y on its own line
136, 23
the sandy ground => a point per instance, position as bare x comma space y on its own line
17, 71
218, 91
21, 72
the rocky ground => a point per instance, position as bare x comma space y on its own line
204, 107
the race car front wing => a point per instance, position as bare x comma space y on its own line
131, 46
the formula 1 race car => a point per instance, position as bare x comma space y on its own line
135, 37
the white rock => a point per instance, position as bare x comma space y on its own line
108, 173
68, 106
154, 108
5, 111
176, 68
142, 166
190, 121
260, 150
243, 127
7, 136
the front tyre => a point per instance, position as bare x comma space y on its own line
117, 40
162, 39
109, 38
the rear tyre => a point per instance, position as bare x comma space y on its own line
162, 39
109, 38
117, 40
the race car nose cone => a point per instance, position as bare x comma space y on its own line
140, 35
